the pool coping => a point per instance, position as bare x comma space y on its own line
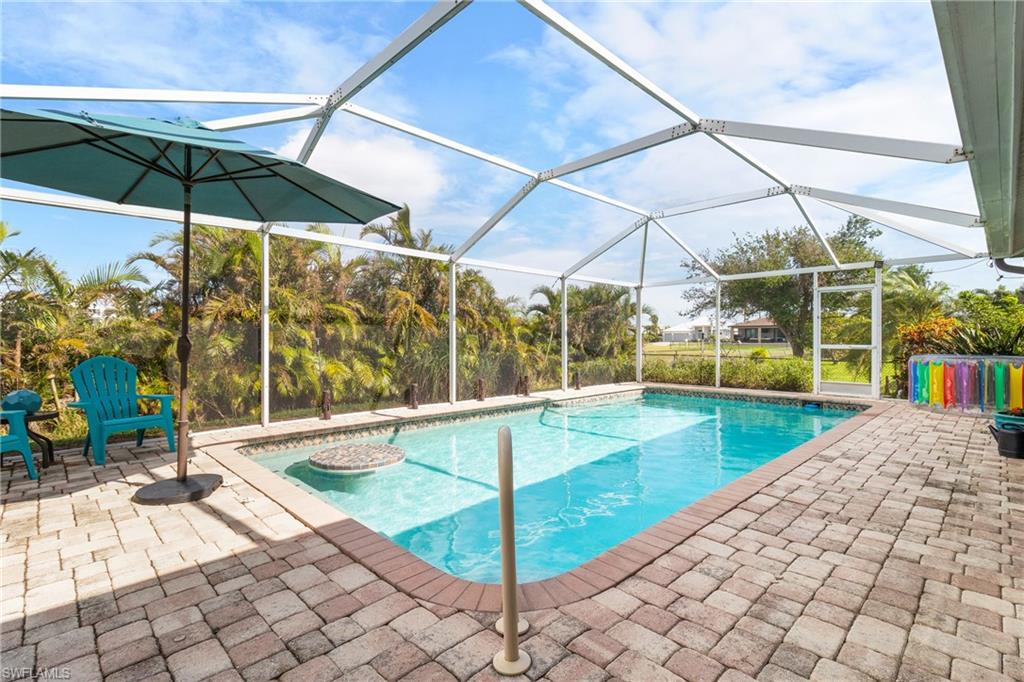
419, 579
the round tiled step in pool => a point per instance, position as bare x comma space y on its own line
356, 458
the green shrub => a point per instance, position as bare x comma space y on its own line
759, 354
788, 374
695, 372
596, 371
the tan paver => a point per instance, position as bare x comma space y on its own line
893, 551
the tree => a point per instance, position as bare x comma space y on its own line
910, 296
788, 300
1000, 310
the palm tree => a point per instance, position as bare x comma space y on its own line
910, 295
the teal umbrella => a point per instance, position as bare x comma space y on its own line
173, 164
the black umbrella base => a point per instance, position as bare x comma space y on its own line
173, 491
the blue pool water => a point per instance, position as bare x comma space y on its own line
587, 477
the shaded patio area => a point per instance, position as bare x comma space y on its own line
894, 553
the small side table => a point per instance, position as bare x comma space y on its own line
44, 443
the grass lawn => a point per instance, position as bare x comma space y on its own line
707, 349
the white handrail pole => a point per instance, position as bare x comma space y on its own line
510, 660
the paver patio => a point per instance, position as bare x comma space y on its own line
894, 553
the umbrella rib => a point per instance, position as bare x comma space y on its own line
131, 156
61, 145
205, 163
241, 191
136, 161
310, 192
226, 174
232, 178
145, 172
163, 153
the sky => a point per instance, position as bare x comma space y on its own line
498, 79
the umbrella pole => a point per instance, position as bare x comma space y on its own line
183, 488
184, 343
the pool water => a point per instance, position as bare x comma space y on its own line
587, 477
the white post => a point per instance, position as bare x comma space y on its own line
718, 334
639, 335
816, 337
453, 359
564, 304
876, 335
265, 328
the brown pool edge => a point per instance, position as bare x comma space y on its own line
415, 577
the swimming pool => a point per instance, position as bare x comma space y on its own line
587, 477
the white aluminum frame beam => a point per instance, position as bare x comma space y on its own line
596, 253
643, 255
493, 265
606, 56
718, 334
611, 60
725, 200
28, 196
482, 231
938, 215
815, 338
170, 215
265, 328
356, 243
453, 342
99, 94
100, 206
640, 307
638, 330
866, 265
434, 18
426, 135
601, 280
693, 254
264, 118
448, 143
899, 226
564, 328
553, 274
935, 152
617, 152
685, 281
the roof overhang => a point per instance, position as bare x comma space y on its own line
983, 47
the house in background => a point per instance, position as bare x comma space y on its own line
759, 330
693, 330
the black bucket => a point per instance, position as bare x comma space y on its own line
1011, 441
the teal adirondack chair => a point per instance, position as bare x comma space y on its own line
17, 439
106, 392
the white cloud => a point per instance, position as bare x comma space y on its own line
376, 161
868, 68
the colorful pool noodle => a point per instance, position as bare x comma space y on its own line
962, 384
982, 385
966, 382
1016, 386
936, 383
948, 384
999, 389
